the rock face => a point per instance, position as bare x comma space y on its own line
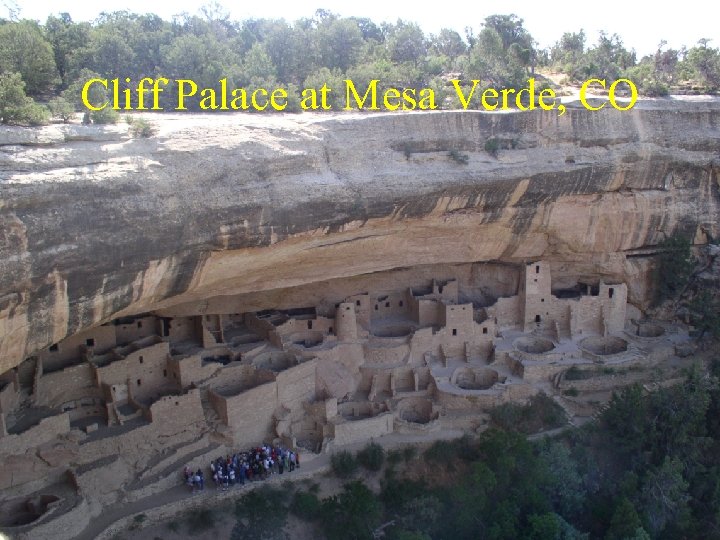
95, 225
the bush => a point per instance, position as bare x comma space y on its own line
457, 157
440, 452
62, 109
409, 453
343, 464
577, 374
492, 145
15, 106
139, 127
34, 114
540, 414
572, 392
105, 116
394, 457
200, 519
371, 457
261, 514
305, 505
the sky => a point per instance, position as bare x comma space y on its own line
641, 25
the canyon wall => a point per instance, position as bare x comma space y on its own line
95, 225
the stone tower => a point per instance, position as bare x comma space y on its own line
536, 295
345, 322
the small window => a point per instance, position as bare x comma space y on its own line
177, 403
400, 303
454, 331
347, 308
542, 299
53, 347
330, 330
164, 372
139, 324
535, 280
141, 359
537, 318
387, 304
537, 268
90, 342
309, 325
139, 382
357, 302
484, 330
376, 307
611, 291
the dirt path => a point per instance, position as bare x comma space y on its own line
117, 518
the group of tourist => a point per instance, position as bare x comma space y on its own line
255, 464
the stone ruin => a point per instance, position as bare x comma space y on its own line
100, 416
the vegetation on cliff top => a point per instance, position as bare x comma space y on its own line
53, 58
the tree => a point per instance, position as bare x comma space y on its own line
340, 43
24, 49
407, 43
352, 515
704, 64
15, 106
448, 43
625, 521
665, 495
566, 53
674, 267
258, 63
705, 313
66, 37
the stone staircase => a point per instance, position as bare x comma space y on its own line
569, 414
168, 472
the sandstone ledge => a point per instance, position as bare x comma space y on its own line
97, 225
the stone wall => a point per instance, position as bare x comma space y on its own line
47, 430
176, 412
99, 339
73, 383
296, 384
145, 369
249, 414
137, 329
354, 431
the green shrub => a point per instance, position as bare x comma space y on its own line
343, 464
34, 114
409, 453
15, 106
572, 392
200, 519
62, 109
577, 374
371, 457
394, 457
440, 452
492, 145
305, 505
105, 116
139, 127
457, 157
540, 414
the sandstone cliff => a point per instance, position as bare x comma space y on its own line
94, 224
